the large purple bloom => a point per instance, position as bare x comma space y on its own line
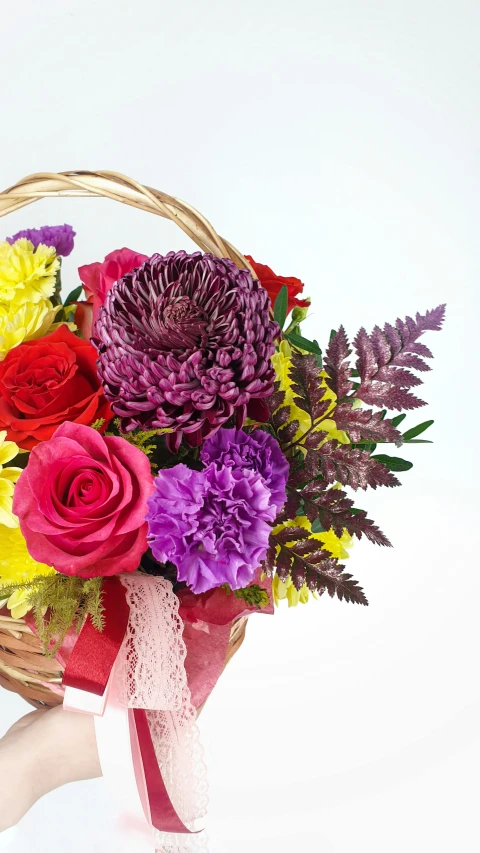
213, 525
58, 236
184, 342
257, 451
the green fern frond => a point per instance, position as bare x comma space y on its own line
142, 439
59, 603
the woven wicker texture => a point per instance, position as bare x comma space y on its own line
23, 668
127, 191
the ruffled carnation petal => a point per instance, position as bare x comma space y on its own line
213, 525
60, 237
257, 451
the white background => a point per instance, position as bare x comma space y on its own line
338, 142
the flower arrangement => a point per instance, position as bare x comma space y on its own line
192, 428
176, 424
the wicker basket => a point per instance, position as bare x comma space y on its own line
23, 668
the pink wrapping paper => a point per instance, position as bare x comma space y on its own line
208, 621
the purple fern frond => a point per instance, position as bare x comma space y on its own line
386, 358
365, 424
336, 364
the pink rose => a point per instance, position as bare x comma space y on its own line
82, 502
97, 279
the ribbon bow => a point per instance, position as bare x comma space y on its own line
132, 678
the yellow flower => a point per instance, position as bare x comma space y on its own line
286, 590
27, 274
8, 476
336, 545
19, 323
18, 603
282, 362
27, 280
16, 565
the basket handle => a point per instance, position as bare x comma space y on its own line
127, 191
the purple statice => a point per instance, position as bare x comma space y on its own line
58, 236
213, 525
258, 451
185, 342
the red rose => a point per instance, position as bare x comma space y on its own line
97, 279
46, 382
273, 284
82, 502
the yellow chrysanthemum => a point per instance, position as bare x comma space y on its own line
19, 323
286, 590
336, 545
282, 362
8, 476
27, 274
16, 565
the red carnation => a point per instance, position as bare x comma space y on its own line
45, 382
273, 284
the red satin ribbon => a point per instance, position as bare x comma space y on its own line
95, 653
89, 668
163, 814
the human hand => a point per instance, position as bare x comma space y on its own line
41, 752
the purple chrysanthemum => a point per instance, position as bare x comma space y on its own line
59, 236
213, 525
257, 451
184, 342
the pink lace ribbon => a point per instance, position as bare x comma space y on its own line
145, 721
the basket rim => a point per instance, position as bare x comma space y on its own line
119, 187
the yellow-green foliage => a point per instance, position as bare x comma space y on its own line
60, 603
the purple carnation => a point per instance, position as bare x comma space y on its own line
258, 451
213, 525
58, 236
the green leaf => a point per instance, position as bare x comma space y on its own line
317, 527
299, 314
281, 305
398, 420
412, 433
393, 463
74, 295
418, 441
302, 343
254, 596
332, 335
